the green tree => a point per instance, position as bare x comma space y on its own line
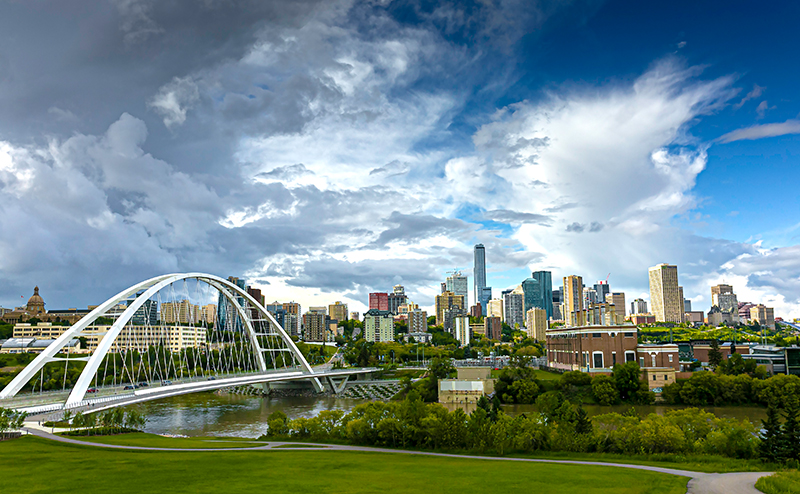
441, 368
604, 390
582, 423
627, 379
714, 354
790, 437
770, 448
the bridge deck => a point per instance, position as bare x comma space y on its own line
112, 397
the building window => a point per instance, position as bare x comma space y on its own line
670, 358
628, 335
597, 357
654, 377
613, 358
641, 361
597, 335
630, 356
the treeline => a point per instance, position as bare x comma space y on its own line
712, 389
11, 420
114, 421
561, 426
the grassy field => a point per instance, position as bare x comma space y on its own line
156, 441
547, 376
31, 465
781, 483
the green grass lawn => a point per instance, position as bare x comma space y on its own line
547, 376
787, 482
156, 441
37, 465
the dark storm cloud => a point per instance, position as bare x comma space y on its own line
409, 228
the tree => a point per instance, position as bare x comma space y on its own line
627, 379
790, 438
441, 368
714, 355
582, 423
770, 448
604, 390
737, 365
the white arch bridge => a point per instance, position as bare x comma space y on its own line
170, 335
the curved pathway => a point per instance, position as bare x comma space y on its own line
699, 483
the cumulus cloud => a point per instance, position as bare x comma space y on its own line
762, 131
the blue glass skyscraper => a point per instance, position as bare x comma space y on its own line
538, 292
479, 271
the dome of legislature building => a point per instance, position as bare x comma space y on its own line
35, 303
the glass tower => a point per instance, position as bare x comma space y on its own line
479, 272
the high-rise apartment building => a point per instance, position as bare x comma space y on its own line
486, 296
314, 326
514, 308
378, 326
396, 299
208, 313
493, 328
496, 307
459, 285
379, 301
639, 306
764, 316
573, 299
479, 273
448, 305
538, 292
536, 323
723, 297
147, 313
338, 311
666, 298
183, 312
293, 319
461, 330
417, 321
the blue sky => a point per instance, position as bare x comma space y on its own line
325, 150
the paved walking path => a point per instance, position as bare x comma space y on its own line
699, 483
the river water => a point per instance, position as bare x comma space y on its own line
210, 414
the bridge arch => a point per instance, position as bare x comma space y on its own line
145, 290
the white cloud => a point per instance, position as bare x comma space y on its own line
174, 100
762, 131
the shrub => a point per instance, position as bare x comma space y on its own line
604, 391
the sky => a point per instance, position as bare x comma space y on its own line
325, 150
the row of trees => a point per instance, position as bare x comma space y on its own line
716, 389
112, 421
558, 426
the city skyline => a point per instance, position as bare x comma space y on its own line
542, 133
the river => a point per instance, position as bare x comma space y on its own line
209, 414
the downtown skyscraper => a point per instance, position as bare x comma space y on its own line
479, 270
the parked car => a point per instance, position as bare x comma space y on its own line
131, 386
91, 390
166, 382
212, 378
143, 384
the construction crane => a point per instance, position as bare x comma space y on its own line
455, 271
609, 274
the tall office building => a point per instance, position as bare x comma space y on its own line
618, 299
314, 326
459, 285
397, 299
573, 299
723, 297
639, 306
514, 308
687, 305
338, 311
601, 289
557, 301
293, 319
479, 274
765, 316
183, 312
493, 328
589, 297
666, 299
225, 309
538, 292
486, 296
147, 313
379, 301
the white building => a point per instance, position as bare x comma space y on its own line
378, 326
